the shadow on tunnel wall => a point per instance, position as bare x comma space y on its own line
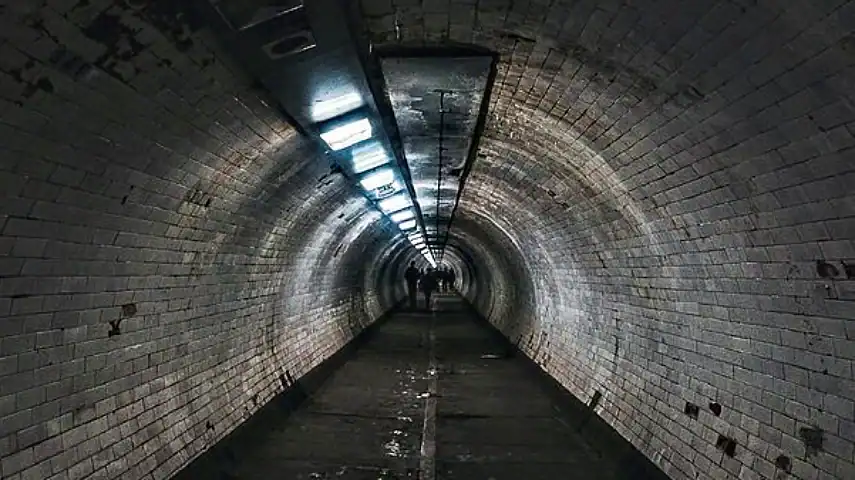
383, 277
603, 440
222, 459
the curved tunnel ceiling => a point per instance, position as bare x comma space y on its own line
669, 176
661, 212
438, 100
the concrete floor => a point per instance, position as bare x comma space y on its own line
487, 418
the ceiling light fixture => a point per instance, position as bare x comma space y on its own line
326, 109
364, 158
347, 134
377, 179
402, 215
395, 203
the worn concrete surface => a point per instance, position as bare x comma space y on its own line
496, 418
364, 422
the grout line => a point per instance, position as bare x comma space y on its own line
427, 465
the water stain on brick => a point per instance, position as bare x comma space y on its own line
726, 445
120, 40
129, 309
82, 414
200, 194
115, 328
784, 463
38, 23
44, 84
715, 408
692, 410
70, 63
595, 399
812, 438
847, 44
826, 270
175, 20
688, 96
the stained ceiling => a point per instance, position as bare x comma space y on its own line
437, 101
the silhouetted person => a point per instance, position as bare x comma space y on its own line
451, 278
445, 279
412, 276
428, 284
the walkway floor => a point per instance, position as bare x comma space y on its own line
487, 418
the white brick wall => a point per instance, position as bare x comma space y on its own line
157, 191
666, 176
660, 181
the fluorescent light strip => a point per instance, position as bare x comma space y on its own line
395, 203
348, 134
326, 109
378, 179
367, 158
402, 215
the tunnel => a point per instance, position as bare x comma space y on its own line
649, 206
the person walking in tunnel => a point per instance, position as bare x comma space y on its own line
428, 285
452, 277
412, 275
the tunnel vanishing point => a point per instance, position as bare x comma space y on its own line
653, 201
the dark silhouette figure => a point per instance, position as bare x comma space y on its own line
412, 276
428, 284
452, 277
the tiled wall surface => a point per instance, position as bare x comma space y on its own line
676, 181
662, 212
169, 248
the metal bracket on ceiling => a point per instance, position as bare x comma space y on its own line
290, 44
243, 15
273, 24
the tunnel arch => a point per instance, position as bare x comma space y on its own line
679, 172
661, 189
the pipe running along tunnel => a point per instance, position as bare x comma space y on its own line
660, 213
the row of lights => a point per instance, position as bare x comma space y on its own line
352, 136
